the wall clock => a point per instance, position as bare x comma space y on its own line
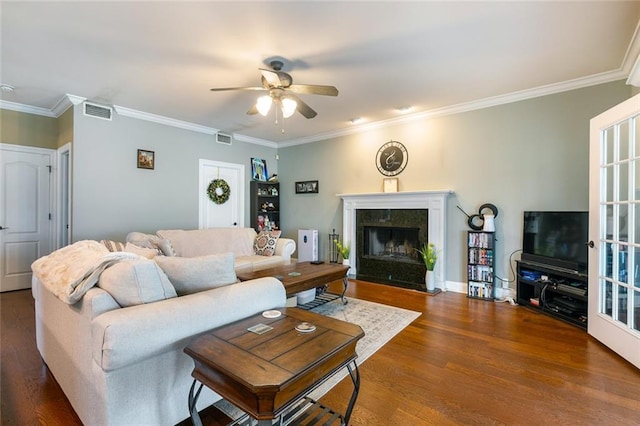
392, 158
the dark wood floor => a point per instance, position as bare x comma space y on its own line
462, 362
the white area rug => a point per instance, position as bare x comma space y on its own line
379, 322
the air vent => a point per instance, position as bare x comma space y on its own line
224, 139
98, 111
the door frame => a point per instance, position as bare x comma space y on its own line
63, 188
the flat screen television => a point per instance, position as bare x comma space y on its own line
556, 239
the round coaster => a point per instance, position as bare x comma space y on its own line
305, 327
271, 314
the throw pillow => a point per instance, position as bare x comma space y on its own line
149, 253
193, 274
113, 245
136, 281
265, 244
151, 241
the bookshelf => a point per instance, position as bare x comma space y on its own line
480, 265
265, 205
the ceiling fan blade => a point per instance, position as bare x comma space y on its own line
253, 110
223, 89
302, 107
313, 89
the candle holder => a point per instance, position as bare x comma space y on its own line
333, 250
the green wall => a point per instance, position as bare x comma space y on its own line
527, 155
112, 197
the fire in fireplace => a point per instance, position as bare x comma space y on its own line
387, 240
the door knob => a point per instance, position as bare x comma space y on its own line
1, 228
590, 244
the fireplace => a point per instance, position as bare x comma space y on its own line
397, 236
386, 245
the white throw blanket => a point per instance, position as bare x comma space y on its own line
72, 270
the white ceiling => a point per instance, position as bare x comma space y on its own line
162, 57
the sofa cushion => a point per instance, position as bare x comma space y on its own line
135, 282
265, 243
264, 262
193, 274
202, 242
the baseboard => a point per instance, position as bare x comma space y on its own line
456, 287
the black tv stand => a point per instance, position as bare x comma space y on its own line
558, 292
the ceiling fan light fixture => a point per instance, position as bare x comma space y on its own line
264, 105
288, 107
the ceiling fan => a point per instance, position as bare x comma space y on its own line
282, 92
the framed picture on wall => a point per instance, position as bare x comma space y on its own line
146, 159
307, 187
390, 185
258, 169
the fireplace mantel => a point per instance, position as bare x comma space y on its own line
434, 201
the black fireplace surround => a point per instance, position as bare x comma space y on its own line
386, 243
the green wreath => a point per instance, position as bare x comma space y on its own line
218, 191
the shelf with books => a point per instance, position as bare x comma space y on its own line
480, 265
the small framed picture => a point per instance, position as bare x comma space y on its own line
258, 169
146, 159
307, 187
390, 185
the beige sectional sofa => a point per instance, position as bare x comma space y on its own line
117, 349
251, 252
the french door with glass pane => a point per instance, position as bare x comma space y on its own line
614, 217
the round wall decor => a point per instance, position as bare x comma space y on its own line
218, 191
392, 158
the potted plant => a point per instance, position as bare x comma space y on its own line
429, 256
343, 250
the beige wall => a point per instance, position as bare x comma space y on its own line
19, 128
65, 128
527, 155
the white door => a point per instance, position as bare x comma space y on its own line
614, 224
25, 208
231, 212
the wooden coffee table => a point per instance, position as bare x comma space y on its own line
269, 375
301, 276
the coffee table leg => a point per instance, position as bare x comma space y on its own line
355, 377
193, 399
345, 284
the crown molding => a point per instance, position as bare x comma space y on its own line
255, 141
508, 98
14, 106
141, 115
631, 63
630, 69
66, 102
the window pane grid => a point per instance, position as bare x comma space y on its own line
619, 246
